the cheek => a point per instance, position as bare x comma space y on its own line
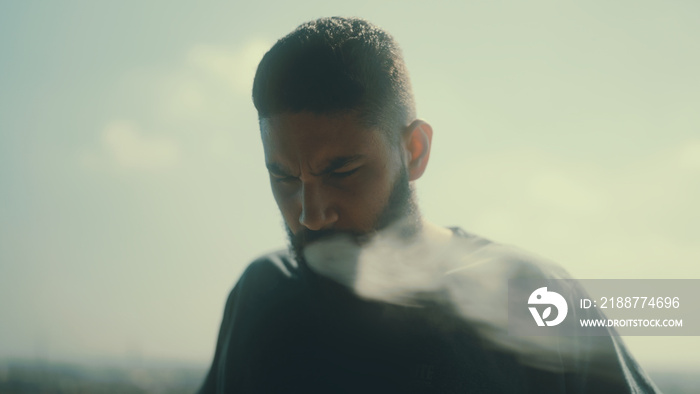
365, 199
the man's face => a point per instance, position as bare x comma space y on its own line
329, 175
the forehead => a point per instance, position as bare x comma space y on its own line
313, 138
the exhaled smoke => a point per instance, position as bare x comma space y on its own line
464, 276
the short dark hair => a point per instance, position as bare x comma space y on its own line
334, 65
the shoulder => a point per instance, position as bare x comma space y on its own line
472, 253
479, 275
272, 266
269, 276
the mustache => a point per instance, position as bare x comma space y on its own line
304, 236
298, 242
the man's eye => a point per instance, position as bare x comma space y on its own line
283, 178
344, 174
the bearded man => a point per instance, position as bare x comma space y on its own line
370, 297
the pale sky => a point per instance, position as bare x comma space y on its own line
133, 189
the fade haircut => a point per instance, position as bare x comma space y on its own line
336, 65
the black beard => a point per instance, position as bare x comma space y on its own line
401, 205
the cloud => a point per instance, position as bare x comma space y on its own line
194, 100
600, 218
689, 156
124, 146
211, 82
235, 68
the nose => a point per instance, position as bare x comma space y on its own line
317, 212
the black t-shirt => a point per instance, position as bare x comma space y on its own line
287, 329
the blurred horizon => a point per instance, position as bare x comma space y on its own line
24, 376
134, 191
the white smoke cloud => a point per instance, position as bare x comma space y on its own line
466, 277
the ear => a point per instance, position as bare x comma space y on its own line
417, 140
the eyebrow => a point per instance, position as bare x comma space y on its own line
333, 165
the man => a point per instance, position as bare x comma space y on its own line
370, 297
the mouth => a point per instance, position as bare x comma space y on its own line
309, 237
305, 238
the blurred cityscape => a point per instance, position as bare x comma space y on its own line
58, 378
54, 378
